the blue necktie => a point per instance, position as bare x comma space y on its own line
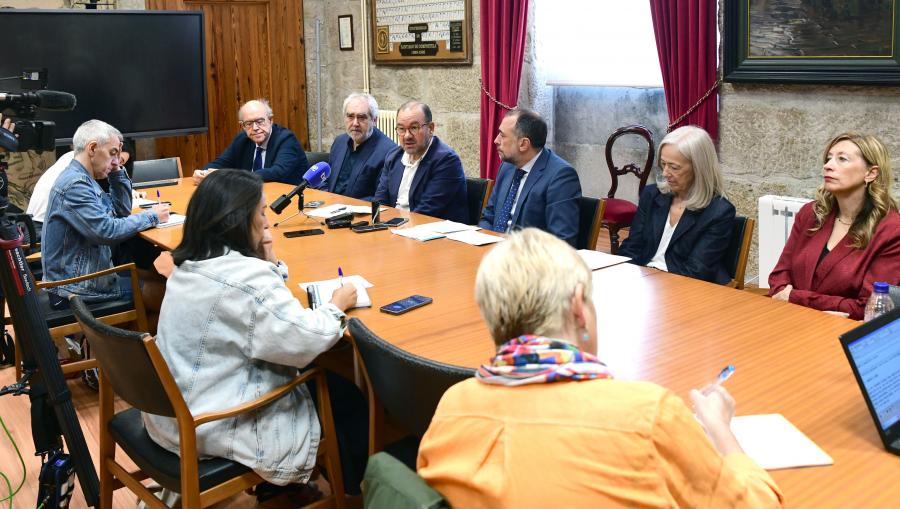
501, 222
257, 159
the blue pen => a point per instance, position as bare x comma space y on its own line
726, 372
341, 276
158, 198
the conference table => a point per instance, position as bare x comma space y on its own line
652, 325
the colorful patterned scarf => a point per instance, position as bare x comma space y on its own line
531, 359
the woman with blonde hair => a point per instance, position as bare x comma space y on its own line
544, 424
848, 237
684, 222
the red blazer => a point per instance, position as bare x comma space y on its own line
843, 281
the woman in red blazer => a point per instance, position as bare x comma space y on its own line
848, 238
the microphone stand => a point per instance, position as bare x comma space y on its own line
300, 203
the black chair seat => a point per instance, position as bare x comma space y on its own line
57, 317
127, 429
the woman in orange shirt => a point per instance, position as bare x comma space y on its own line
545, 425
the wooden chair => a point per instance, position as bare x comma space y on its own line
115, 312
317, 157
479, 192
408, 389
619, 213
590, 217
739, 250
132, 367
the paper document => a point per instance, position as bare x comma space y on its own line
418, 233
339, 208
321, 291
774, 443
174, 220
447, 227
474, 238
597, 260
137, 202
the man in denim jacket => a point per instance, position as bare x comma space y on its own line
83, 222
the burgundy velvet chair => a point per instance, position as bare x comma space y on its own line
619, 213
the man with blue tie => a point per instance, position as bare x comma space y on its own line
263, 147
357, 156
534, 187
424, 175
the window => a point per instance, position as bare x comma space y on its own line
596, 42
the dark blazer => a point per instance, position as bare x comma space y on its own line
366, 167
285, 159
844, 278
438, 189
549, 198
698, 245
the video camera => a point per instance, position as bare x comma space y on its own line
31, 134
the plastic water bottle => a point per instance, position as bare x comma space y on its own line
879, 302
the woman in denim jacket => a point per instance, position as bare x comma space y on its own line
231, 330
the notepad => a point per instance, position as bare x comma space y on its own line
139, 202
774, 443
321, 291
174, 220
474, 238
597, 260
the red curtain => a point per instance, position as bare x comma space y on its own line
503, 27
686, 42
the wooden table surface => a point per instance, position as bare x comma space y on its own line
668, 329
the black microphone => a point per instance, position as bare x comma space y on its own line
43, 99
314, 177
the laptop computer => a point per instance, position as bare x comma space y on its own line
873, 350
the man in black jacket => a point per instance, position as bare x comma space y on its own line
263, 147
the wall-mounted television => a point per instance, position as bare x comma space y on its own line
144, 72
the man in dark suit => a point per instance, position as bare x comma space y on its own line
263, 147
357, 157
534, 187
423, 175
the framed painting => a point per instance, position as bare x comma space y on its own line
811, 41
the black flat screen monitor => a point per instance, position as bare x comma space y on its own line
144, 72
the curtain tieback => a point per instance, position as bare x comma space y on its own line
695, 106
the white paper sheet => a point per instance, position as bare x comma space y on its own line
137, 202
474, 238
447, 227
597, 260
325, 289
418, 233
174, 220
774, 443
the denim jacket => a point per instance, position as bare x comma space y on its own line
81, 224
230, 331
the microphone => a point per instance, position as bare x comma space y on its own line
43, 99
314, 177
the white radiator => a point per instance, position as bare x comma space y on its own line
776, 218
387, 123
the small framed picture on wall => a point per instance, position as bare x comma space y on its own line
345, 32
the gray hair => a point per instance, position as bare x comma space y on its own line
373, 104
264, 102
94, 130
525, 285
695, 144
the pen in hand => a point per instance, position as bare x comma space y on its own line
158, 198
726, 372
341, 276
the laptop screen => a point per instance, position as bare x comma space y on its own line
877, 359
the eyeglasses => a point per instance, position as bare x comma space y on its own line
248, 124
362, 118
413, 130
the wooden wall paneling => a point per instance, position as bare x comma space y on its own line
253, 49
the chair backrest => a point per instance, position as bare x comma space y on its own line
125, 362
590, 218
157, 169
641, 172
317, 157
739, 250
409, 387
479, 190
390, 484
895, 295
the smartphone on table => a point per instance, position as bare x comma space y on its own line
403, 305
303, 233
397, 221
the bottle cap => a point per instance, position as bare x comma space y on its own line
881, 287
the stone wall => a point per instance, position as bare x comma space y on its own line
452, 92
